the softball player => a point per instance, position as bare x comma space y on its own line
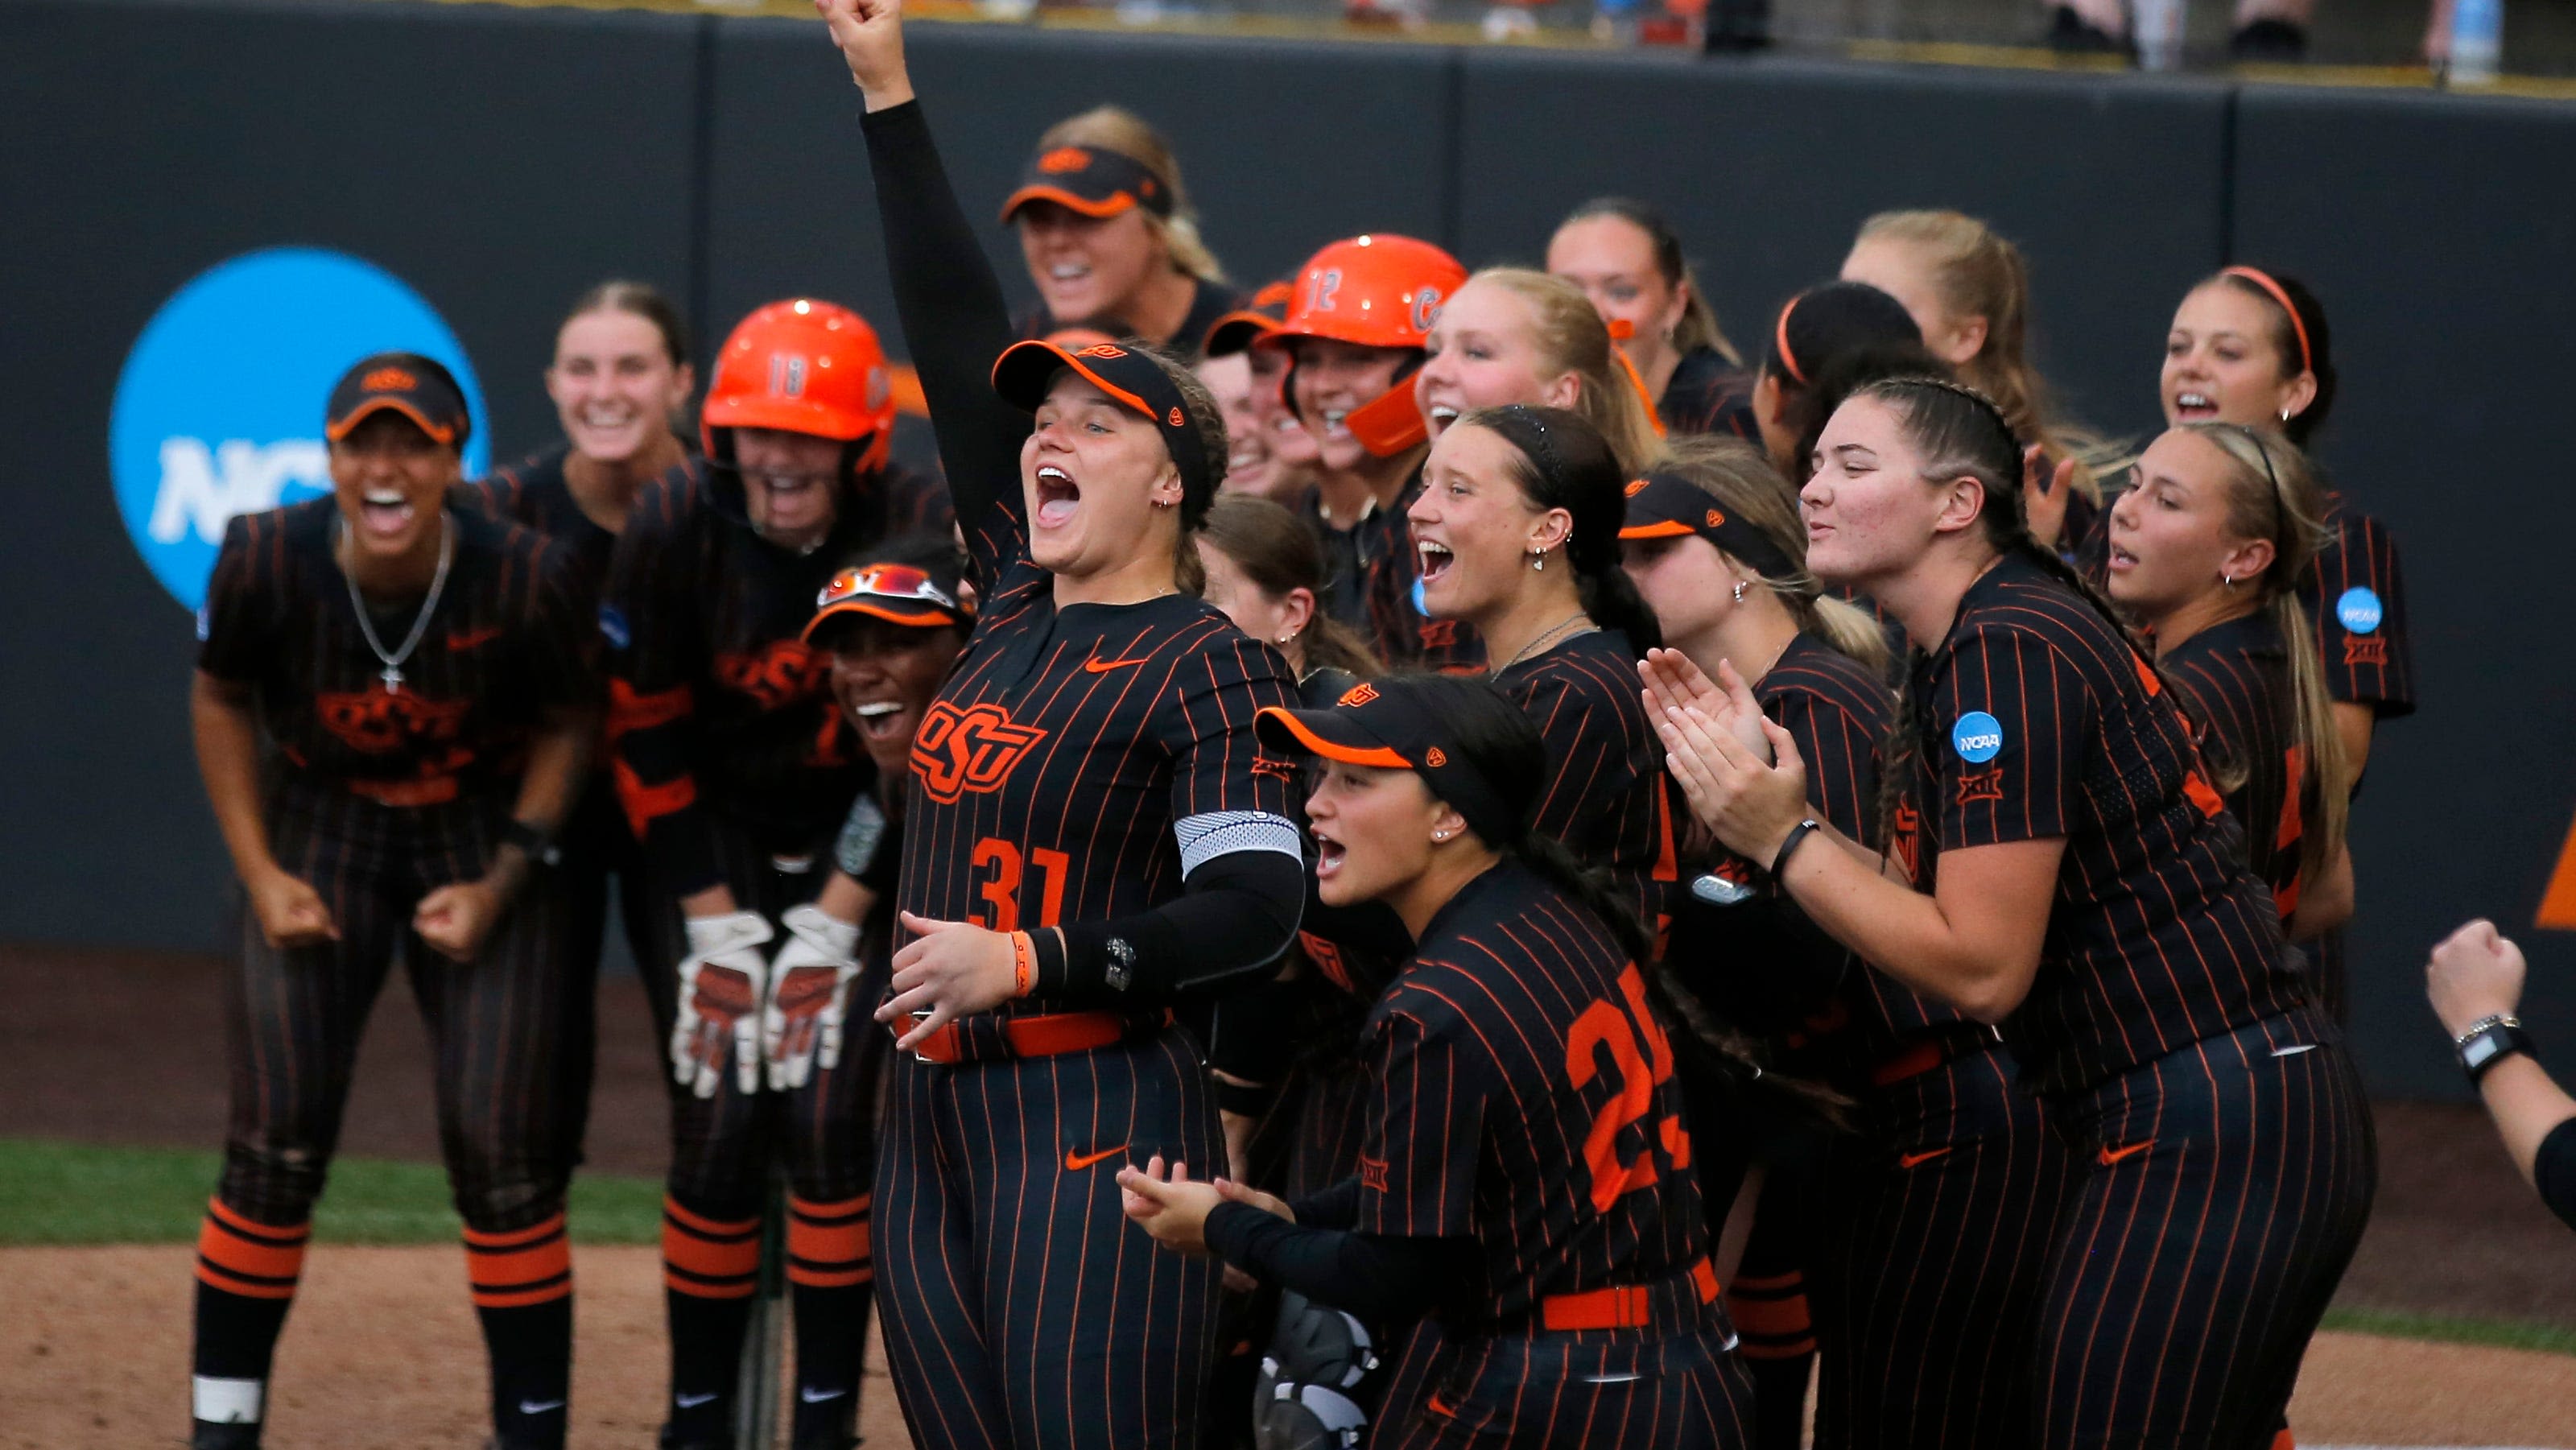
1628, 261
1354, 338
1508, 492
620, 375
2204, 553
1816, 329
2252, 347
1092, 838
2086, 895
1110, 237
1968, 289
392, 709
1524, 1183
1269, 452
736, 771
1912, 1256
1515, 336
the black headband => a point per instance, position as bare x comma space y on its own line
1667, 506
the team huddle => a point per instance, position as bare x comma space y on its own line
1414, 857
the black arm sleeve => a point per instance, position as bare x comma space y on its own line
1375, 1276
1251, 1037
1227, 929
2553, 1169
1334, 1207
954, 319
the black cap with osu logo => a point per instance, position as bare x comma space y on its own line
1394, 731
1092, 180
1026, 369
1665, 506
419, 388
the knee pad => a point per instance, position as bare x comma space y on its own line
1302, 1398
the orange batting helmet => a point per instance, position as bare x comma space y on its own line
803, 366
1378, 290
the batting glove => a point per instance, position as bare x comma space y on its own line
722, 980
809, 996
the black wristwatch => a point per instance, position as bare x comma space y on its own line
535, 844
2488, 1041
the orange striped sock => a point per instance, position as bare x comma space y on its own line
253, 1260
709, 1258
522, 1284
513, 1270
827, 1243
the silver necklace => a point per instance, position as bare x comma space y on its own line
1558, 628
392, 674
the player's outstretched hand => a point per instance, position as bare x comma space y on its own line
453, 920
1750, 804
870, 35
950, 969
1169, 1205
809, 996
2476, 972
722, 982
291, 913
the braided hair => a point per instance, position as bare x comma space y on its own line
1962, 433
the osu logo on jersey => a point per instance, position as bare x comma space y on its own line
376, 720
783, 673
956, 751
1905, 840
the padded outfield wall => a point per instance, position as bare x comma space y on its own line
488, 163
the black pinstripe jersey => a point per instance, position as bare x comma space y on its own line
1707, 394
2036, 718
2234, 679
1605, 796
714, 701
505, 642
2356, 598
1405, 636
1079, 762
1521, 1091
532, 493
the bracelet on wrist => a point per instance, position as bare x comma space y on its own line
1789, 846
1024, 964
2493, 1019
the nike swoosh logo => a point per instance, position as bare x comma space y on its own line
1909, 1160
691, 1402
468, 639
1439, 1408
539, 1407
807, 1394
2109, 1156
1074, 1163
1099, 666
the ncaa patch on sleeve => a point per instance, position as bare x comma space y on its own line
1978, 737
613, 625
2359, 609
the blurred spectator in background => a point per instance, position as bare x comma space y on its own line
2475, 980
2266, 30
1110, 237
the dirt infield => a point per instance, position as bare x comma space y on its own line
381, 1354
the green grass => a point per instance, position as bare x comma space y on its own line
77, 1193
2490, 1333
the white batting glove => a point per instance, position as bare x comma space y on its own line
722, 981
809, 996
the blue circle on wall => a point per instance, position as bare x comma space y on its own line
1978, 737
219, 409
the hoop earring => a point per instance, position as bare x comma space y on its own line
1739, 591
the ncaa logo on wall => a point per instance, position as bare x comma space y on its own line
219, 409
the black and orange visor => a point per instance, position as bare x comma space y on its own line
1238, 330
1096, 182
1392, 732
1663, 506
1026, 370
419, 388
902, 594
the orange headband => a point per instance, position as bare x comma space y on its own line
2280, 294
1780, 340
